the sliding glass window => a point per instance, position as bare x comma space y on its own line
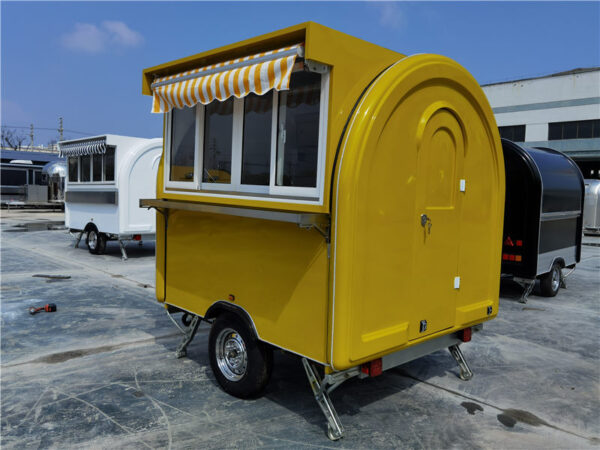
298, 142
109, 164
256, 147
84, 173
218, 127
183, 140
73, 169
97, 167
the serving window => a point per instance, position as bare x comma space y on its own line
271, 144
95, 168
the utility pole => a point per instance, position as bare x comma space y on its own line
31, 135
60, 129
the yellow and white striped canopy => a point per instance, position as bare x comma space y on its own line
257, 73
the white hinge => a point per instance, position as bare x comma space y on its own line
283, 135
456, 282
463, 185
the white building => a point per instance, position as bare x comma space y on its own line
560, 111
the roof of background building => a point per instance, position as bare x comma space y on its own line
557, 74
28, 155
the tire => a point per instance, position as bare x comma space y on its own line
550, 282
91, 241
102, 243
245, 369
96, 242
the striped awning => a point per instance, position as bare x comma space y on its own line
239, 77
82, 147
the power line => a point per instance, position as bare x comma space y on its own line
51, 129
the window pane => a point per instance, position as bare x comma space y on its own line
506, 133
256, 150
596, 130
73, 168
38, 177
85, 168
14, 177
569, 130
218, 127
298, 141
554, 131
96, 167
514, 133
183, 141
109, 164
584, 129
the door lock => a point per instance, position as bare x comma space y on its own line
426, 222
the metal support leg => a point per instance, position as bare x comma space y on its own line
563, 283
78, 240
123, 252
188, 335
335, 430
528, 287
465, 371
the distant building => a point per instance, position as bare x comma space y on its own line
560, 111
19, 168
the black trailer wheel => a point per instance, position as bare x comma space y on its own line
91, 241
96, 242
550, 282
241, 363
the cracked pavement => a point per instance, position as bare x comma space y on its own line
100, 372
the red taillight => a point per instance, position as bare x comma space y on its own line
372, 368
519, 243
509, 257
137, 237
465, 335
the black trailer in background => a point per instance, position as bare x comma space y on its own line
543, 217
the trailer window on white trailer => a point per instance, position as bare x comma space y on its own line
96, 168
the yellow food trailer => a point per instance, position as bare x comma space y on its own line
329, 197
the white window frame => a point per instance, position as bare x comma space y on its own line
85, 183
199, 134
236, 189
316, 191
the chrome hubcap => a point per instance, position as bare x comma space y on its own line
92, 239
555, 279
231, 354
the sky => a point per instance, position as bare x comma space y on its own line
83, 61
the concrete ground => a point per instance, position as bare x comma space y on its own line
101, 371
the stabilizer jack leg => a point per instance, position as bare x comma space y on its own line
335, 430
527, 290
78, 240
465, 371
188, 335
123, 251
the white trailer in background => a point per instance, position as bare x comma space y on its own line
107, 176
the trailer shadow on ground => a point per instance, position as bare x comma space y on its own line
134, 250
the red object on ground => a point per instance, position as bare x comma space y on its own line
50, 307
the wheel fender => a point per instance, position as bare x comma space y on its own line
222, 307
91, 226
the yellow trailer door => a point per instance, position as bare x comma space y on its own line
440, 156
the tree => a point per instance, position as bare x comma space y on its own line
12, 138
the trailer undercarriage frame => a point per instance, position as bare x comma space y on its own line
323, 386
